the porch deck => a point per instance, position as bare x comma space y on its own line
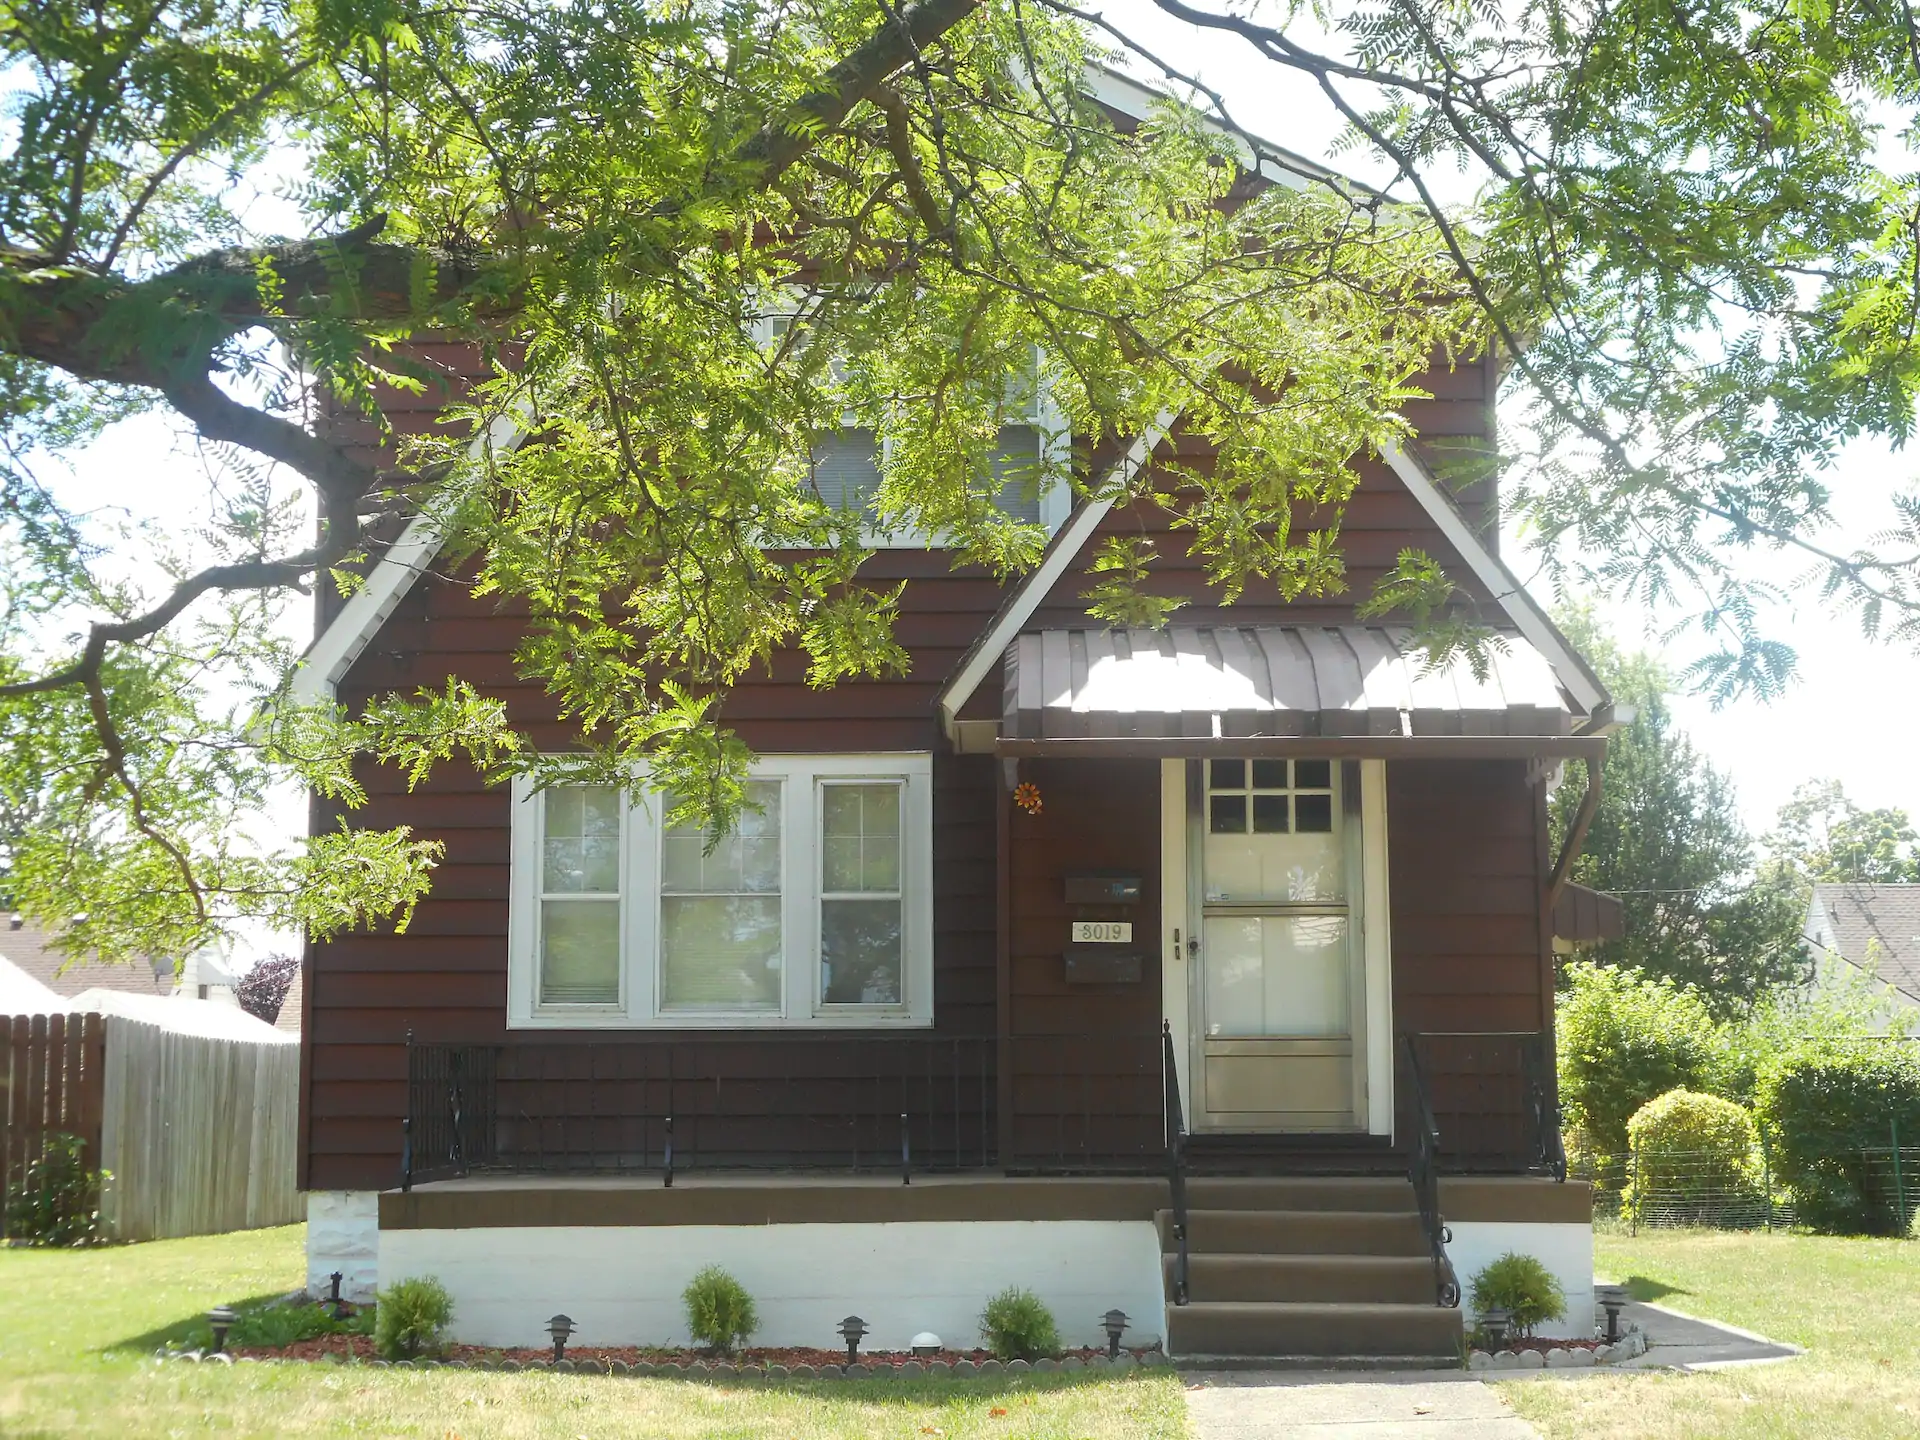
765, 1198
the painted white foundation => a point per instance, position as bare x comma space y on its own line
622, 1285
343, 1233
1565, 1249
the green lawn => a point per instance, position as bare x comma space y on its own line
1854, 1305
77, 1329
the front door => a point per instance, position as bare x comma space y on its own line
1277, 992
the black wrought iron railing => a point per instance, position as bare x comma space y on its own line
1495, 1100
1176, 1162
1423, 1169
1083, 1103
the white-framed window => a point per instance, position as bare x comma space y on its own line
816, 911
1033, 443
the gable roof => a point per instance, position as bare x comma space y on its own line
1872, 927
26, 946
1573, 672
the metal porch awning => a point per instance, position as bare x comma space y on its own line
1213, 683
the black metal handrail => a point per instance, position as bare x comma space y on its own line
1495, 1096
1423, 1169
1176, 1161
1087, 1103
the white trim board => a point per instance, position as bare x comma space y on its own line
1018, 607
349, 633
1528, 618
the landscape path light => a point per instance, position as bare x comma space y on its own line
560, 1327
853, 1330
926, 1344
1613, 1299
1494, 1320
1115, 1322
221, 1319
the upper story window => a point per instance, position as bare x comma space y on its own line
816, 910
1034, 444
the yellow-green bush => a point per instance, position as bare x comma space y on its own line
1693, 1156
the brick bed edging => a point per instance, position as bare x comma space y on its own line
721, 1370
1629, 1346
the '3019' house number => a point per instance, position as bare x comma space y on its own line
1102, 932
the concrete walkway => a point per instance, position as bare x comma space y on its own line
1680, 1342
1428, 1405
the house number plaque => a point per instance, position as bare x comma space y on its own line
1102, 932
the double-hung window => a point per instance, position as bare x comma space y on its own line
815, 910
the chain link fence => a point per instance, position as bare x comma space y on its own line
1703, 1190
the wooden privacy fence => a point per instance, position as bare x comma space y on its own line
197, 1133
52, 1073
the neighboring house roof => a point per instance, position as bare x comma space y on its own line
1873, 927
289, 1021
21, 994
27, 947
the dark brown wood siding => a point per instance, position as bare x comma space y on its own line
1085, 1058
445, 978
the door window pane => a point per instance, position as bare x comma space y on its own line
1275, 975
1269, 814
1313, 814
860, 903
720, 935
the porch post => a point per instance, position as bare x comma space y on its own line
1008, 773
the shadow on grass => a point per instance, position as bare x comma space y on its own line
1640, 1287
189, 1331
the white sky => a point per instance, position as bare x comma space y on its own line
1845, 717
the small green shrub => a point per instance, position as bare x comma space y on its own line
1017, 1326
412, 1318
1524, 1288
1693, 1155
1830, 1108
1624, 1039
720, 1313
273, 1326
56, 1198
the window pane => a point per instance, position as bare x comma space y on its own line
720, 952
579, 952
745, 862
1313, 814
582, 846
1229, 814
860, 952
860, 835
1270, 774
1270, 814
1313, 774
846, 468
1016, 465
1228, 775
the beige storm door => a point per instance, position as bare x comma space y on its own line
1279, 987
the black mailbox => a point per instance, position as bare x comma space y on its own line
1098, 965
1103, 887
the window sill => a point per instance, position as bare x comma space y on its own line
769, 1024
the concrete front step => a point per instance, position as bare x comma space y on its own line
1300, 1192
1297, 1232
1367, 1279
1248, 1328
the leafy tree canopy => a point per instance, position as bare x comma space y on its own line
1667, 838
691, 236
1823, 837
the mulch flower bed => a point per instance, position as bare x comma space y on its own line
360, 1347
1543, 1346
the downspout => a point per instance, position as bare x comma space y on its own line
1576, 835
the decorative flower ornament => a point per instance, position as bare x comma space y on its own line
1027, 796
